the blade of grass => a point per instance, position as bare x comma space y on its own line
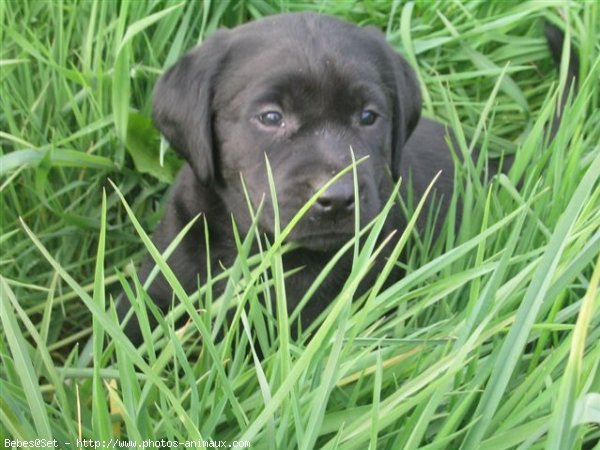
562, 433
23, 364
102, 427
121, 73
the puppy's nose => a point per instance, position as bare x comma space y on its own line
339, 197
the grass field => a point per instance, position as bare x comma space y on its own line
490, 342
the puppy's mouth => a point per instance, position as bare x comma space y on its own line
322, 241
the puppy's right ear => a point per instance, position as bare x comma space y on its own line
401, 82
182, 108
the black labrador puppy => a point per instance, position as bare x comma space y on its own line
303, 91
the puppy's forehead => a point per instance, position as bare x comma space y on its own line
304, 51
305, 37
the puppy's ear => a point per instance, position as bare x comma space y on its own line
407, 107
182, 108
401, 80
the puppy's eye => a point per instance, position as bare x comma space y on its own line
367, 117
271, 119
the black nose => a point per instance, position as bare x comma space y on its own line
338, 198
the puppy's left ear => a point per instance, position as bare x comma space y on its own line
401, 79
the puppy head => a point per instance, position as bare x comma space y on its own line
303, 91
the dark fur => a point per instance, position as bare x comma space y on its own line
320, 73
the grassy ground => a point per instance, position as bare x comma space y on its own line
489, 342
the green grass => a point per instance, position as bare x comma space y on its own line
489, 342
